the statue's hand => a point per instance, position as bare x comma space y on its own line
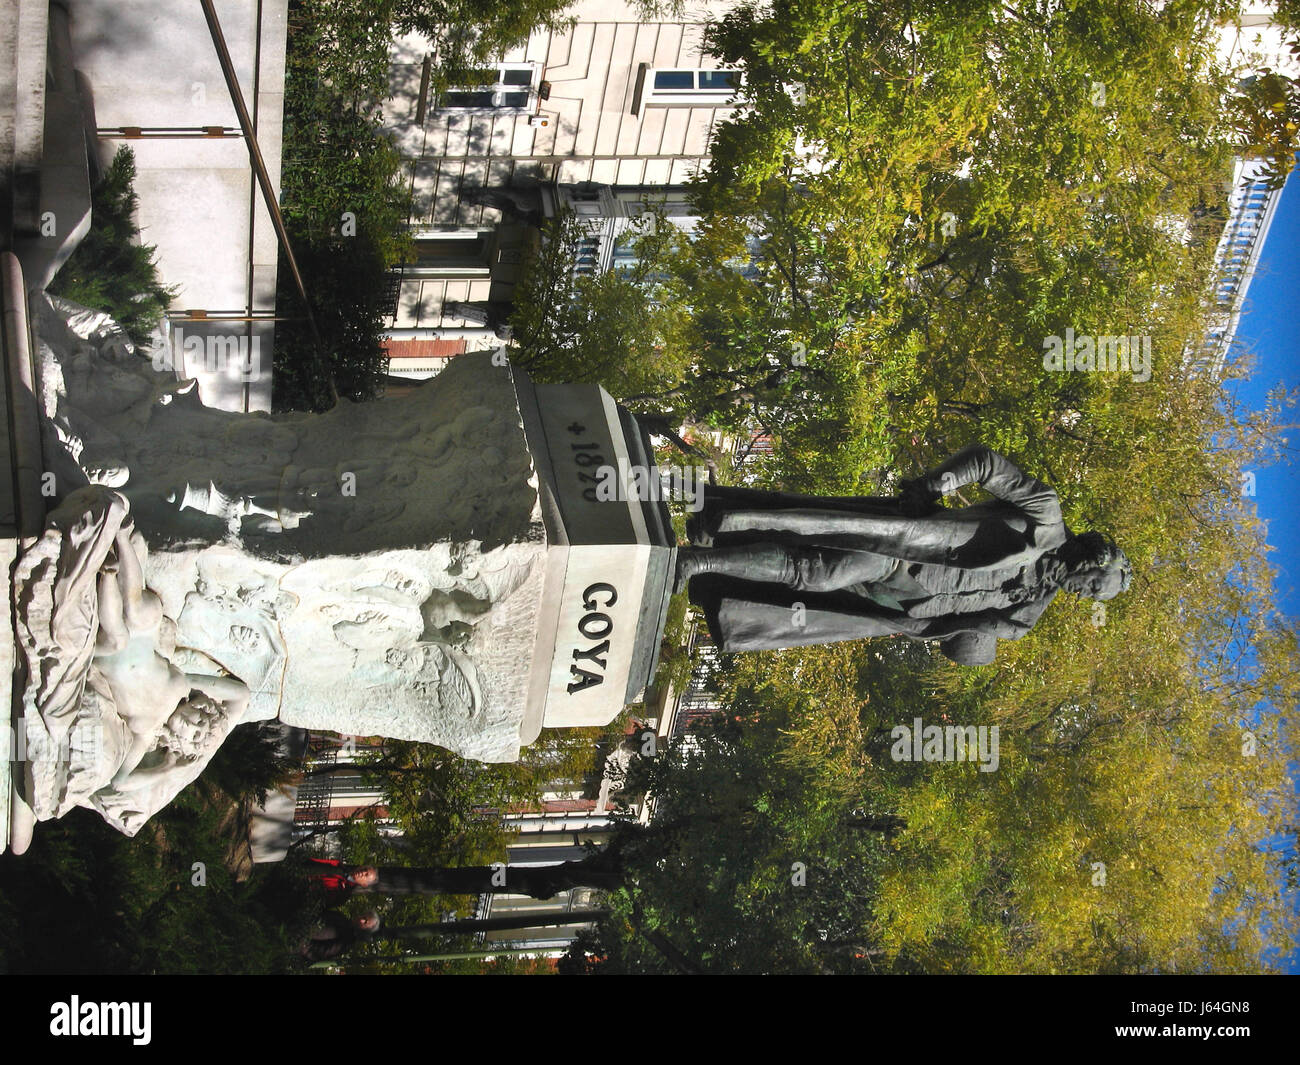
915, 500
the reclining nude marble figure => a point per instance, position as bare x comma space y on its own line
132, 722
373, 570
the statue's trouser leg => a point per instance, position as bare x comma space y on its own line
828, 569
805, 569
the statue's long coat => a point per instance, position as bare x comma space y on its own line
949, 588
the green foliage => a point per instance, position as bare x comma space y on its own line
675, 665
1268, 121
345, 204
751, 863
86, 899
614, 328
929, 193
449, 807
938, 867
470, 32
336, 158
946, 185
348, 286
110, 270
1266, 107
249, 763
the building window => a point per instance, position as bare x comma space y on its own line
505, 87
449, 254
662, 87
693, 82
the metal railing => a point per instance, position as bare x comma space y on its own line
258, 163
316, 792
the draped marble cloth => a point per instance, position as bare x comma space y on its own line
84, 698
947, 580
57, 621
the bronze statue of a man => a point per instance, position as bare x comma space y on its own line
787, 570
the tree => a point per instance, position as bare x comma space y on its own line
1268, 121
471, 32
613, 327
345, 205
905, 187
1267, 105
176, 898
110, 270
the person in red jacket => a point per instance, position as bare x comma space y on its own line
338, 880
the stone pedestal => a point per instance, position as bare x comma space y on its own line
560, 626
609, 561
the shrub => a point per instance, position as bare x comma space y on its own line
110, 270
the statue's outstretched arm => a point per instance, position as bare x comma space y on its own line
1000, 477
231, 692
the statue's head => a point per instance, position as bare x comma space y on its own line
190, 730
1099, 570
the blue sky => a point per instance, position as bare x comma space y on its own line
1270, 327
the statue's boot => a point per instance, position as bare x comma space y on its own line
761, 563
